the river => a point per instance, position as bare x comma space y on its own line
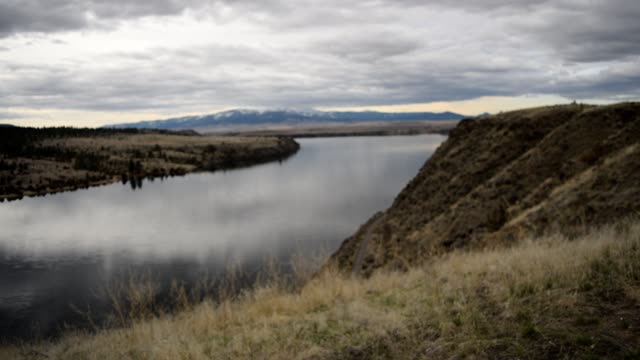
58, 253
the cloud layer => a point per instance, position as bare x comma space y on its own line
171, 56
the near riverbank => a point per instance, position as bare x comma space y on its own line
548, 297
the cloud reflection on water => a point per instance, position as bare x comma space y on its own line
63, 249
330, 187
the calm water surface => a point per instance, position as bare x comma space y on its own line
59, 252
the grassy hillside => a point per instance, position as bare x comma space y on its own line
508, 244
549, 297
500, 178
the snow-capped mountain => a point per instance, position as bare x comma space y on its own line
258, 117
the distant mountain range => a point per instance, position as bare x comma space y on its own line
256, 117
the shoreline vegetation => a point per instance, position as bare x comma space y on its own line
545, 297
37, 162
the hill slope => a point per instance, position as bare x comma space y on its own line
254, 117
498, 178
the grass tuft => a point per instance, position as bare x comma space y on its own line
544, 298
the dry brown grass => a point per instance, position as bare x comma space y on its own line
148, 141
98, 160
375, 128
546, 297
521, 172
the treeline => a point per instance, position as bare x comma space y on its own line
23, 142
40, 161
77, 167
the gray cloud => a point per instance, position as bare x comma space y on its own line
8, 115
59, 15
331, 53
222, 76
588, 31
367, 47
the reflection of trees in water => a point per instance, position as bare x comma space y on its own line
136, 182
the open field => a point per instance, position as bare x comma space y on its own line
548, 297
41, 161
373, 128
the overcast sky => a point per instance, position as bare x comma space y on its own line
92, 62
